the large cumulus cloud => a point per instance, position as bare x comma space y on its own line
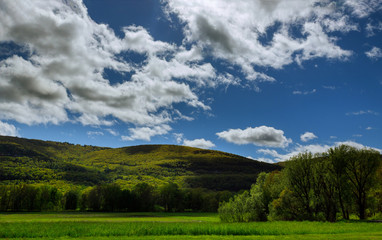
294, 31
60, 74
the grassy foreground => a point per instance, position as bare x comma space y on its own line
171, 226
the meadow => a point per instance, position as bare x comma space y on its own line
77, 225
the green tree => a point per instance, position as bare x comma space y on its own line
338, 158
111, 195
299, 171
171, 197
94, 198
248, 206
286, 207
144, 197
324, 189
71, 199
50, 198
361, 171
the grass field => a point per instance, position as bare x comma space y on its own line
171, 226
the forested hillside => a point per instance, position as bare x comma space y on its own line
64, 164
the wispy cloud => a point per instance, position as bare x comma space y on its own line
94, 134
363, 8
374, 53
329, 87
304, 92
371, 28
363, 112
112, 132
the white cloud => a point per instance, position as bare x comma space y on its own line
270, 152
363, 8
307, 136
232, 31
363, 112
356, 145
8, 129
261, 159
199, 143
178, 137
372, 28
67, 55
374, 53
92, 134
340, 24
260, 136
267, 160
146, 133
112, 132
313, 148
369, 128
304, 92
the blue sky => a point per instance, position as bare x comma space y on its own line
263, 79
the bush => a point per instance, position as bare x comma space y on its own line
244, 207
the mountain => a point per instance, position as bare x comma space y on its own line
35, 161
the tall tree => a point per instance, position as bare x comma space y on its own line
339, 158
325, 189
144, 197
299, 171
361, 171
171, 197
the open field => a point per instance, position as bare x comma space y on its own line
171, 226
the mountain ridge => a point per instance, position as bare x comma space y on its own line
36, 161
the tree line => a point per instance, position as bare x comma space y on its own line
334, 185
142, 197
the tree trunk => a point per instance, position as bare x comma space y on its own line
345, 215
362, 206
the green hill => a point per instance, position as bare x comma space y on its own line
35, 161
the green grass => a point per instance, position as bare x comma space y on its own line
171, 226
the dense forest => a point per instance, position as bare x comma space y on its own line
64, 165
111, 197
50, 176
338, 184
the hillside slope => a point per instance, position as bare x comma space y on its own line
33, 161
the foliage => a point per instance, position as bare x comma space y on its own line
247, 206
110, 197
313, 187
34, 161
171, 198
29, 198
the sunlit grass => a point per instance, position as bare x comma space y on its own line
107, 217
171, 226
